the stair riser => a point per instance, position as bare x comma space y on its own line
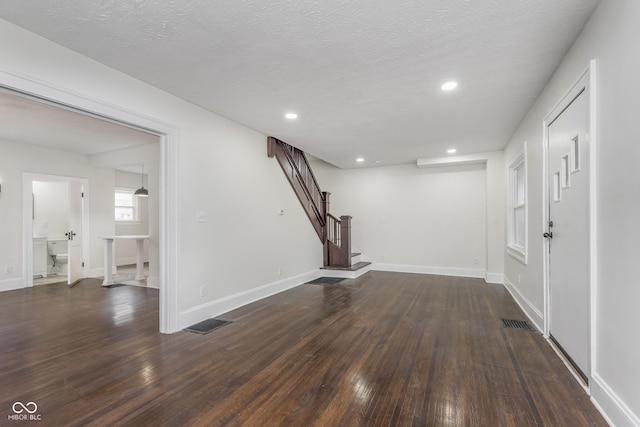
346, 274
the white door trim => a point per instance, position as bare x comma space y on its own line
168, 175
586, 81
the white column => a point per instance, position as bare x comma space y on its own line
108, 261
139, 263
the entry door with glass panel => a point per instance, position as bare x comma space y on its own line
568, 231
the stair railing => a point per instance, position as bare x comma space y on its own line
307, 179
296, 167
334, 233
338, 242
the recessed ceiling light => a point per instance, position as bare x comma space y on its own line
291, 116
360, 159
449, 86
451, 151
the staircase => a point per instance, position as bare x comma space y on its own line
333, 232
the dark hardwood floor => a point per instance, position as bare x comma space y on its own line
386, 349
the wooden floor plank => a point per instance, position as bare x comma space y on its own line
385, 349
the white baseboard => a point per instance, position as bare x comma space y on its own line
612, 408
231, 302
11, 284
529, 309
495, 278
422, 269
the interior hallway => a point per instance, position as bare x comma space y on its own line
383, 349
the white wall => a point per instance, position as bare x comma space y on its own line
19, 158
610, 37
408, 219
125, 250
223, 171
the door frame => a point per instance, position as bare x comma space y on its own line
587, 82
168, 234
27, 219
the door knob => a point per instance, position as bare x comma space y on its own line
70, 235
548, 235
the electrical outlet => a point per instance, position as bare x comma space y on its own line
8, 269
201, 217
203, 291
475, 261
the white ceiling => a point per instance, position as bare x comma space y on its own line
363, 75
33, 122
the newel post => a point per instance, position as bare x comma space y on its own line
345, 236
271, 146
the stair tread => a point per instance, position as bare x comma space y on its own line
354, 267
355, 254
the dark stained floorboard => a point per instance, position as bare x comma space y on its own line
386, 349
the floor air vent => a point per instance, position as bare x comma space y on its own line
207, 326
325, 281
517, 324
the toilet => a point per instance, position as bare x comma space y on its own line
57, 249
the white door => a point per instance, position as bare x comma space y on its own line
568, 233
74, 234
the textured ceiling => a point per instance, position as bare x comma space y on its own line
364, 76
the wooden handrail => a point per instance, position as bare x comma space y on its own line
334, 233
309, 184
298, 171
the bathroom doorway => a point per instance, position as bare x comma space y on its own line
57, 221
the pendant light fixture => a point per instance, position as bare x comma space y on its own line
142, 192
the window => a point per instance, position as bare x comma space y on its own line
575, 154
126, 205
517, 202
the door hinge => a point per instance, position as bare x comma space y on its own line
83, 263
82, 194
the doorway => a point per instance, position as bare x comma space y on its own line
167, 239
568, 225
54, 217
57, 216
